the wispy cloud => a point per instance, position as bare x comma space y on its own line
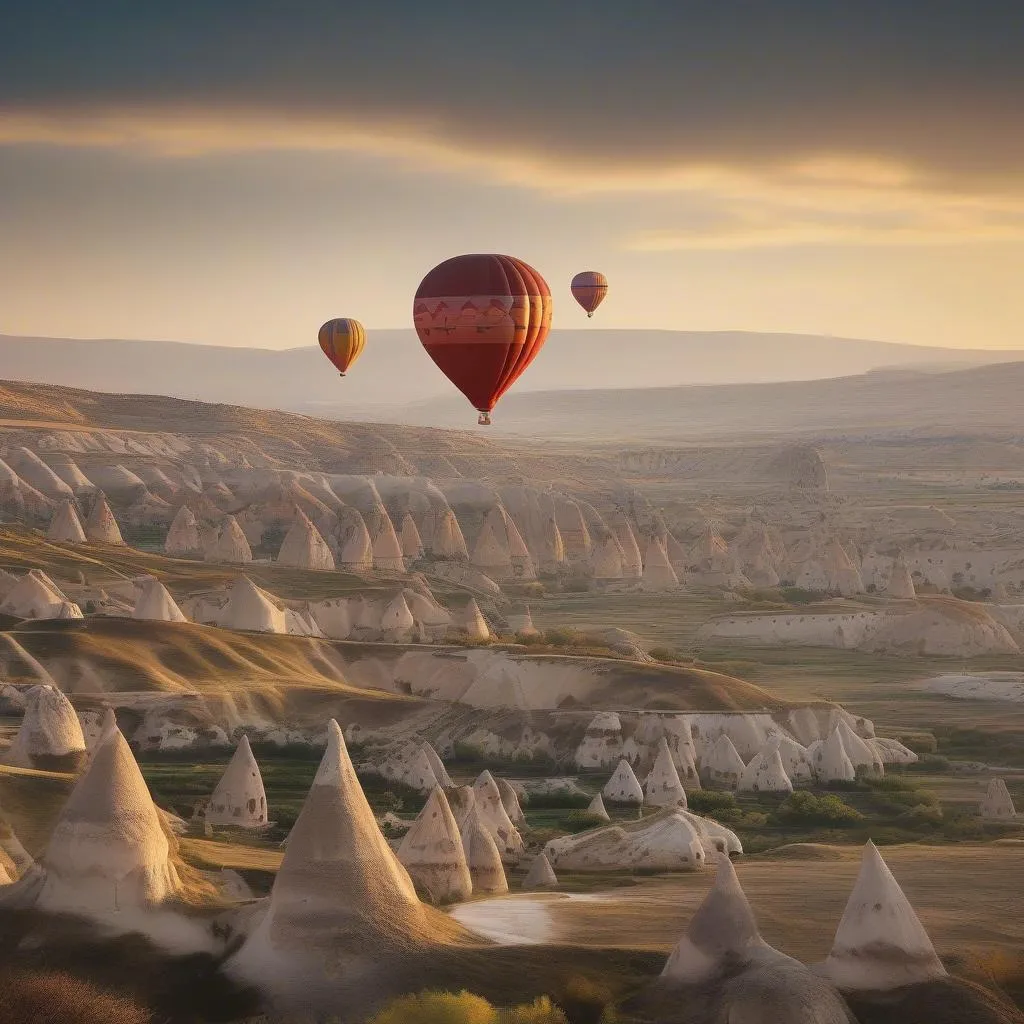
812, 199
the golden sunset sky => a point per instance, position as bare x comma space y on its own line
237, 173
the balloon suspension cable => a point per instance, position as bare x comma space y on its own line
484, 419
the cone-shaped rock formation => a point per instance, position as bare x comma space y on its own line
239, 799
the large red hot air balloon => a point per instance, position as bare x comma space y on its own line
589, 289
482, 319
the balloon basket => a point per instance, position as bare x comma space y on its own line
590, 314
484, 419
341, 374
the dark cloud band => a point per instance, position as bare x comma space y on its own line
939, 83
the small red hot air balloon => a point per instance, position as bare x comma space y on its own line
589, 289
482, 319
342, 341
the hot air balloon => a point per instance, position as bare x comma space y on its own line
342, 340
482, 319
589, 289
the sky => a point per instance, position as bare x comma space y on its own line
237, 173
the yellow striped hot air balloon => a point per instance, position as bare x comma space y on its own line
342, 340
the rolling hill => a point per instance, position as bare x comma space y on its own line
395, 372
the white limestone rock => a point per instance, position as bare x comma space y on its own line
482, 855
411, 767
540, 875
36, 596
49, 728
108, 851
341, 898
239, 799
725, 971
663, 788
624, 787
101, 525
863, 756
433, 854
155, 602
796, 760
901, 583
766, 773
722, 766
412, 544
880, 944
38, 475
304, 547
66, 527
658, 573
444, 780
229, 544
183, 537
510, 801
998, 804
830, 760
597, 809
472, 623
666, 841
488, 802
601, 746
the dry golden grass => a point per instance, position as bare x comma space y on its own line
969, 898
53, 997
30, 802
214, 856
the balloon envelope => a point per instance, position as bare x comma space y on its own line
482, 319
342, 340
589, 289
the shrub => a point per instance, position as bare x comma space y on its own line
465, 1008
803, 808
931, 763
437, 1008
540, 1011
562, 637
889, 783
549, 801
579, 585
923, 816
664, 654
389, 801
584, 1001
708, 801
580, 820
797, 595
